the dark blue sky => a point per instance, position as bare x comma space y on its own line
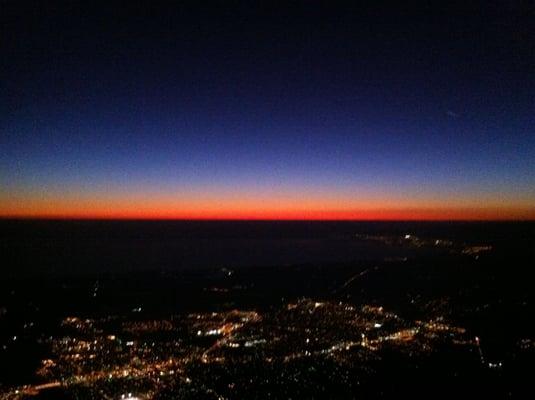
317, 105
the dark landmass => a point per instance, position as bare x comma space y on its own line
388, 310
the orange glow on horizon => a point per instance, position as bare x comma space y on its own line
255, 207
431, 214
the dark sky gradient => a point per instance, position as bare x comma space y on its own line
234, 110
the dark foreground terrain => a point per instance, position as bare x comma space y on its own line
133, 310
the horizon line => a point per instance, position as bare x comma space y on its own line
168, 219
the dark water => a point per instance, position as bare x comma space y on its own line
79, 247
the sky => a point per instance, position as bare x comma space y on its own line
264, 110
